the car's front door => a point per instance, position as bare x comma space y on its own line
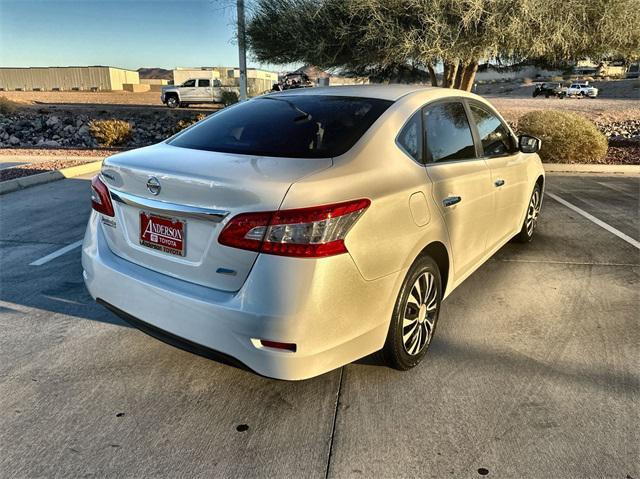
461, 182
508, 173
188, 91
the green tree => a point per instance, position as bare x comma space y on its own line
383, 38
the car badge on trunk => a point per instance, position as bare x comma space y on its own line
153, 185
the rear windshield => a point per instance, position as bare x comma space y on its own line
286, 126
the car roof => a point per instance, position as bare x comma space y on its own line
383, 92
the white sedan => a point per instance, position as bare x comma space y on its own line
299, 231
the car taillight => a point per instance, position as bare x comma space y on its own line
306, 232
100, 200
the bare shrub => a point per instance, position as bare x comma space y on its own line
229, 98
7, 106
566, 137
110, 132
185, 123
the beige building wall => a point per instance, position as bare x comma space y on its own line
154, 81
65, 78
181, 75
258, 81
119, 77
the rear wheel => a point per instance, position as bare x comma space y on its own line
531, 218
415, 315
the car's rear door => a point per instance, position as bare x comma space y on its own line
461, 181
204, 91
508, 172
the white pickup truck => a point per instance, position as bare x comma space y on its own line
195, 90
582, 89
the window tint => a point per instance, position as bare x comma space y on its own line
495, 137
447, 132
189, 83
296, 126
410, 138
204, 83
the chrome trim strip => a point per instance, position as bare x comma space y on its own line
215, 216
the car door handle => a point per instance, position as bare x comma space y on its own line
451, 200
499, 183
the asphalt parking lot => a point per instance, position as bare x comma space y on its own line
534, 371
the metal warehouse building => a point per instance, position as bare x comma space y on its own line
66, 78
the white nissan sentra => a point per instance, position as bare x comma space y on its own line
299, 231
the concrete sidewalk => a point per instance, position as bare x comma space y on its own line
10, 161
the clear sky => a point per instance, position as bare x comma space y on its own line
123, 33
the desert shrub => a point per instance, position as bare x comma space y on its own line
7, 106
229, 97
187, 122
566, 137
557, 78
110, 132
527, 81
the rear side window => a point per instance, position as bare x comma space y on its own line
447, 132
204, 82
294, 126
495, 137
410, 138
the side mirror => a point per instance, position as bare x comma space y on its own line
529, 144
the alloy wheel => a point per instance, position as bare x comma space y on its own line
420, 314
533, 212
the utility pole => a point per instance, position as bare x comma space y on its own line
242, 51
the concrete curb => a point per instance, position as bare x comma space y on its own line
592, 169
49, 176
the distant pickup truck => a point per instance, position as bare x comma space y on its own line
196, 90
582, 89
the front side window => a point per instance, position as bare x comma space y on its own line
189, 83
410, 138
204, 82
495, 137
290, 126
447, 132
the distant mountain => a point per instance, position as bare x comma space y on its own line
158, 73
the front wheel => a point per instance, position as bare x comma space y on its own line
173, 102
531, 218
415, 315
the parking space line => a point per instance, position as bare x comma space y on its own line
55, 254
595, 220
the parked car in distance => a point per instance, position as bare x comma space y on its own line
299, 231
195, 90
550, 89
582, 89
292, 81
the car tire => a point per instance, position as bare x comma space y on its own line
415, 315
173, 102
531, 216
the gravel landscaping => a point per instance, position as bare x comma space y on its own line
40, 128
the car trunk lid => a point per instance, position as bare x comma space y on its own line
171, 204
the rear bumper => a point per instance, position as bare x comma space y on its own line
323, 306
